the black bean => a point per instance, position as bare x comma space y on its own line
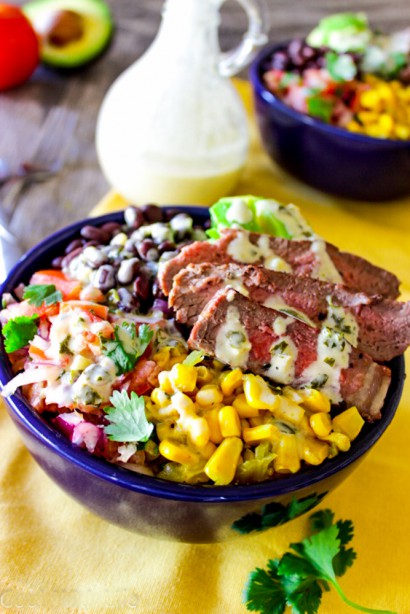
156, 290
152, 213
170, 213
166, 246
147, 250
141, 287
95, 234
105, 278
111, 227
73, 245
57, 262
130, 247
134, 217
127, 271
69, 257
127, 301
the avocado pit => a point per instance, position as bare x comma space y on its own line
65, 27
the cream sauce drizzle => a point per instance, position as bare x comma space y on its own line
232, 344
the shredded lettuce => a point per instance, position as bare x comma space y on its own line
257, 214
342, 32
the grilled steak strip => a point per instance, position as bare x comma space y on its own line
301, 257
384, 325
241, 333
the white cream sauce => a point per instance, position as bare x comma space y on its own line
334, 344
282, 364
243, 250
289, 215
239, 212
232, 344
324, 269
278, 304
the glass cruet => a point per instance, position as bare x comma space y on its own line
172, 128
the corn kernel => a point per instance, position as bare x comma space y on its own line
264, 432
221, 467
230, 380
209, 395
162, 357
243, 408
297, 396
288, 411
215, 434
164, 430
312, 451
229, 422
198, 431
203, 375
207, 450
316, 401
164, 382
287, 459
321, 423
183, 377
258, 394
340, 440
182, 403
349, 422
370, 99
160, 398
257, 421
177, 452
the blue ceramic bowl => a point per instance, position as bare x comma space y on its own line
326, 157
156, 507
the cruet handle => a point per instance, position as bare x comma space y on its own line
233, 61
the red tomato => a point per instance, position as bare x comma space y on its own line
69, 288
19, 47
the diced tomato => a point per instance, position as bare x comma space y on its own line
69, 288
142, 378
27, 309
92, 309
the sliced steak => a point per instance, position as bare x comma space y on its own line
384, 325
312, 258
244, 334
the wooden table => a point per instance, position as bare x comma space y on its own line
52, 117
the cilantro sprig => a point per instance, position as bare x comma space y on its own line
37, 294
126, 347
298, 579
127, 420
18, 332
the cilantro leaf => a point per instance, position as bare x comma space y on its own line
264, 591
320, 548
128, 422
321, 520
320, 108
18, 332
126, 347
194, 358
37, 294
299, 578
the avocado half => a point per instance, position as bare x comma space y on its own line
72, 32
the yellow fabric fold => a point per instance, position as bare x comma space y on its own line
56, 557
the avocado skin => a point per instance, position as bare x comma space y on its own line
98, 26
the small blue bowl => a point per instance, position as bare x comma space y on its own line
159, 508
328, 158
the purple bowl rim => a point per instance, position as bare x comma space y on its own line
270, 98
147, 485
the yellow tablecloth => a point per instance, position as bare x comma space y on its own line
57, 557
